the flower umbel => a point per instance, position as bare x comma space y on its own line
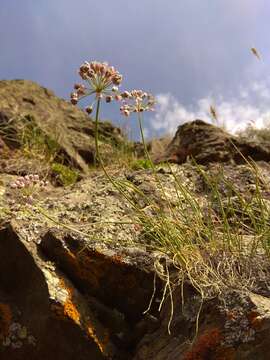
136, 101
102, 80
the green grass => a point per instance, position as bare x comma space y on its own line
253, 134
63, 174
218, 244
141, 164
24, 133
35, 142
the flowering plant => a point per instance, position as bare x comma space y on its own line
102, 80
136, 101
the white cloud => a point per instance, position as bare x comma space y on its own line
252, 105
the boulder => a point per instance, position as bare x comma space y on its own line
208, 143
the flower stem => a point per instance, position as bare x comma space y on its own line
151, 162
115, 184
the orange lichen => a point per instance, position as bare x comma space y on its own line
5, 319
101, 343
91, 266
71, 311
254, 320
68, 309
205, 346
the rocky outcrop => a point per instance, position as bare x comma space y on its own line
207, 143
58, 300
73, 303
98, 271
42, 315
25, 106
76, 279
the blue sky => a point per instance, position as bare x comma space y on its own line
189, 53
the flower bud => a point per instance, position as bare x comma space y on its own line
91, 73
84, 67
74, 101
83, 75
89, 109
109, 99
81, 91
118, 97
117, 79
74, 95
125, 94
102, 69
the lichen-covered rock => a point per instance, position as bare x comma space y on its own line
207, 143
236, 327
42, 315
119, 279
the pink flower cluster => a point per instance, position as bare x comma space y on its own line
28, 181
103, 81
136, 101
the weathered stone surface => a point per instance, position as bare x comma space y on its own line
70, 127
117, 279
70, 302
236, 328
42, 314
207, 143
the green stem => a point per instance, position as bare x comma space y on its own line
98, 156
143, 139
151, 162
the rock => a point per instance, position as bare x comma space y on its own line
155, 147
114, 278
232, 328
26, 105
42, 315
207, 143
70, 300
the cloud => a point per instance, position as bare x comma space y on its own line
251, 106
